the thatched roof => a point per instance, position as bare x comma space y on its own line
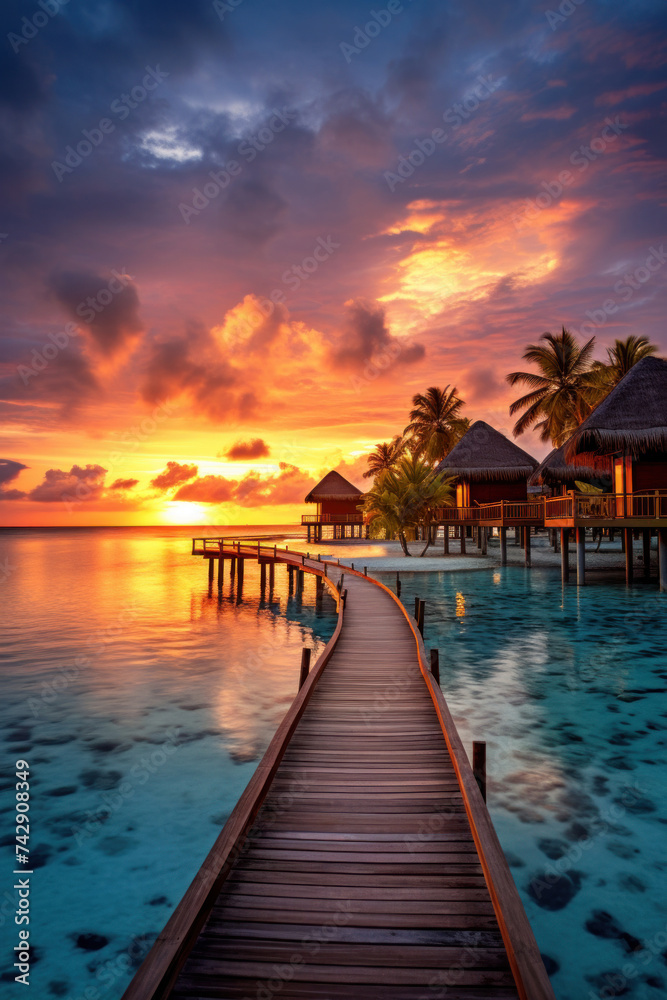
555, 469
483, 453
633, 416
333, 487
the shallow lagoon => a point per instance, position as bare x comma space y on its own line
139, 753
568, 689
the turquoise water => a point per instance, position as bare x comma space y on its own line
567, 687
142, 706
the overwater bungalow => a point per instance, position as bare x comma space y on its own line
338, 515
628, 432
492, 476
559, 475
489, 468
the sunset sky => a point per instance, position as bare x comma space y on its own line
237, 237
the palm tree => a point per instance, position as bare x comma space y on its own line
435, 422
406, 496
385, 456
561, 394
620, 359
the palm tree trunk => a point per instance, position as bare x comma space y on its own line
427, 535
404, 544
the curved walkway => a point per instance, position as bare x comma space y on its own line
367, 869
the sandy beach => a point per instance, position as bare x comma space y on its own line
610, 559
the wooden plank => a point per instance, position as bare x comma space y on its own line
363, 829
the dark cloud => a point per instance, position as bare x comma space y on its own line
38, 378
174, 474
9, 470
124, 484
366, 338
193, 366
108, 306
81, 483
256, 448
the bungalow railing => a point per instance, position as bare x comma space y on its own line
648, 506
332, 518
502, 512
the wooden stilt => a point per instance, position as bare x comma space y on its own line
463, 540
211, 568
526, 545
484, 542
581, 557
262, 576
503, 546
564, 554
479, 766
420, 619
647, 552
662, 557
272, 575
517, 536
232, 569
239, 575
479, 537
305, 666
629, 553
221, 572
445, 544
435, 665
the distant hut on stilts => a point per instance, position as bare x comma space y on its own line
338, 515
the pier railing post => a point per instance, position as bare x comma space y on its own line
435, 665
479, 766
305, 666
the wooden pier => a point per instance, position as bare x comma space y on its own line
361, 861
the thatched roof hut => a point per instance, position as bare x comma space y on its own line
484, 454
555, 470
334, 488
632, 418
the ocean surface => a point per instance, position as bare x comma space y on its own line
143, 705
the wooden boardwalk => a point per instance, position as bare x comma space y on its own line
362, 862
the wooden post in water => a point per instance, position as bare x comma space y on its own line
463, 540
445, 543
272, 575
662, 557
581, 557
232, 569
647, 552
211, 568
435, 665
484, 540
526, 539
290, 578
417, 610
305, 666
479, 537
479, 766
398, 584
517, 535
564, 554
503, 546
241, 569
299, 579
262, 575
221, 572
420, 619
629, 568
